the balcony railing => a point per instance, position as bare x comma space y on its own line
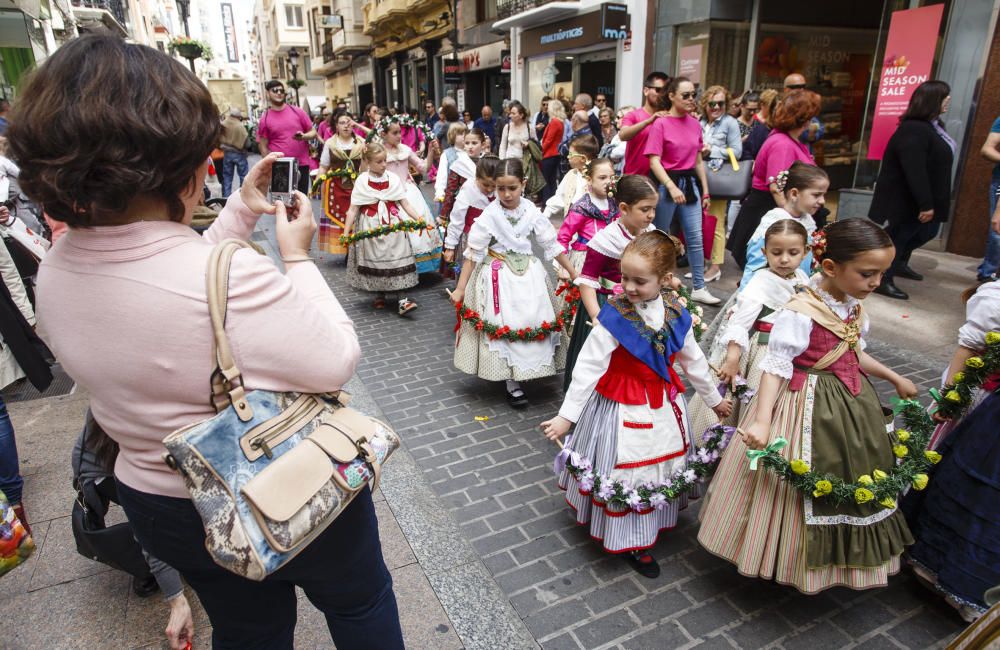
328, 55
507, 8
115, 7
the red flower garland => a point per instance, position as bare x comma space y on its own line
494, 332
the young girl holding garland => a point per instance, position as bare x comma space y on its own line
804, 187
472, 199
591, 213
741, 342
456, 143
508, 287
626, 401
815, 394
462, 170
601, 269
386, 264
955, 520
426, 243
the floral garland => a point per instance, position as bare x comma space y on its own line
698, 325
347, 172
958, 395
818, 248
648, 496
402, 120
569, 293
382, 231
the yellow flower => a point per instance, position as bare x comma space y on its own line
902, 435
822, 488
900, 451
863, 495
919, 481
799, 466
865, 480
958, 378
975, 362
992, 338
887, 502
880, 475
953, 396
932, 456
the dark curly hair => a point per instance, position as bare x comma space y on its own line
139, 123
795, 110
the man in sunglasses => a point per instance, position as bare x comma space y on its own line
286, 128
634, 131
814, 132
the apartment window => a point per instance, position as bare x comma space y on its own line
293, 16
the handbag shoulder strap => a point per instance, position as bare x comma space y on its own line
227, 381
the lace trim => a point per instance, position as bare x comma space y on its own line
737, 335
847, 305
777, 366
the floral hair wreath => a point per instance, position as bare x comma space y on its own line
380, 128
780, 180
818, 248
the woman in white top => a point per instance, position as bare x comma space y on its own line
516, 133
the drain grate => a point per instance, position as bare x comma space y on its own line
23, 391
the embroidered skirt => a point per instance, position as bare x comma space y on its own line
381, 263
770, 530
336, 200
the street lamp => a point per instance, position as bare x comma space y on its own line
293, 60
184, 6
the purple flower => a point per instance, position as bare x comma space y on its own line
747, 395
634, 500
722, 393
714, 456
690, 476
585, 464
702, 455
606, 490
586, 481
668, 483
576, 459
658, 501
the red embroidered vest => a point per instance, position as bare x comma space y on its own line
846, 368
630, 381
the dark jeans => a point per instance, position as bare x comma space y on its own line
550, 172
341, 572
10, 474
305, 182
907, 237
233, 163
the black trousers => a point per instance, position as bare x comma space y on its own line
550, 172
907, 237
305, 182
341, 572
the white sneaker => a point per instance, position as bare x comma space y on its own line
704, 296
708, 278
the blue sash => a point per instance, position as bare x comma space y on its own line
654, 349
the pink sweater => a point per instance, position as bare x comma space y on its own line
124, 309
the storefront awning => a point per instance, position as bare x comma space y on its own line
546, 13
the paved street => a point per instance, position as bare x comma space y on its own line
483, 550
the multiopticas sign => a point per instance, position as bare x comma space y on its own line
562, 35
611, 23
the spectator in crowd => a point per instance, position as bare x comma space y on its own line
634, 129
430, 114
233, 145
913, 189
761, 124
600, 103
720, 135
735, 104
794, 112
606, 117
287, 129
580, 125
488, 125
615, 149
371, 117
749, 106
130, 253
991, 152
815, 132
4, 109
449, 116
540, 120
516, 132
585, 103
551, 141
467, 118
324, 129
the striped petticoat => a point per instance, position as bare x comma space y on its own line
619, 530
757, 522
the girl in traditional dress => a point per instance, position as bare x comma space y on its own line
456, 144
591, 213
625, 401
426, 243
386, 264
601, 269
462, 169
804, 187
741, 343
472, 199
955, 521
509, 288
342, 155
815, 394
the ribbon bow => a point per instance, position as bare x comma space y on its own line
756, 454
560, 462
899, 405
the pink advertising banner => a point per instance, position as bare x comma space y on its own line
909, 55
690, 63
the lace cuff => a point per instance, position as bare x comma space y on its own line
582, 281
476, 256
551, 249
777, 366
737, 335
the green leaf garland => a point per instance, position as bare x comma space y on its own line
382, 231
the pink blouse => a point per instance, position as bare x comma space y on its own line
777, 154
401, 158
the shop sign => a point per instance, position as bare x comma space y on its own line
452, 69
578, 31
460, 99
627, 44
909, 52
505, 62
689, 63
482, 58
229, 33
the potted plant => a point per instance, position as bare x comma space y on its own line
190, 48
296, 83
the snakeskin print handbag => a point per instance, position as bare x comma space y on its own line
270, 471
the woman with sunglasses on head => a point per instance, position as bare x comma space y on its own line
674, 150
614, 148
721, 134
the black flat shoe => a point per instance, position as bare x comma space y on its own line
890, 290
517, 399
643, 563
145, 587
908, 273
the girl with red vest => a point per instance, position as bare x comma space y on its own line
815, 394
627, 401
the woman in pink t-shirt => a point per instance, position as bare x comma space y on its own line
779, 151
674, 152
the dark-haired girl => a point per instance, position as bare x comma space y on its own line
472, 199
505, 286
804, 187
591, 213
628, 404
815, 394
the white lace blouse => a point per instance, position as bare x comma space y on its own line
504, 230
765, 289
982, 315
790, 336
